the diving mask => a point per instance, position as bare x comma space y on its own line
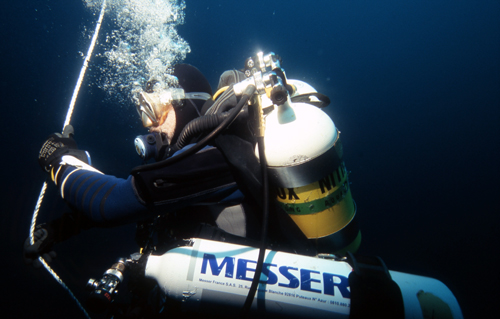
153, 107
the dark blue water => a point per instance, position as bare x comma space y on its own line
415, 90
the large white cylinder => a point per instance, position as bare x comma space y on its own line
215, 277
297, 132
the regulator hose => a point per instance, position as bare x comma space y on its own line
199, 125
203, 142
265, 223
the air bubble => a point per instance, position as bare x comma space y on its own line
141, 43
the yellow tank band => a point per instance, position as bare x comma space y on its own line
329, 221
316, 196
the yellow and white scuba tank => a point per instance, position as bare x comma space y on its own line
304, 155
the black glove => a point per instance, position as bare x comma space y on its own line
41, 247
58, 145
46, 235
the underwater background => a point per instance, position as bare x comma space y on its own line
415, 91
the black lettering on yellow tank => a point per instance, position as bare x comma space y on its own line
333, 179
282, 193
317, 205
328, 182
292, 194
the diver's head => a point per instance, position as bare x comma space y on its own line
170, 110
157, 110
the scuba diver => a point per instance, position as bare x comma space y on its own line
203, 181
246, 211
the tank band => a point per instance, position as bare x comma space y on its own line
305, 173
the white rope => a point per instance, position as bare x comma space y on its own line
66, 122
35, 213
85, 65
42, 261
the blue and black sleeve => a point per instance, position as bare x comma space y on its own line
102, 198
202, 178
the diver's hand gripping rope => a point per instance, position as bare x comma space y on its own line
66, 122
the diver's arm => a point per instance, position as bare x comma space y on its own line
204, 176
101, 198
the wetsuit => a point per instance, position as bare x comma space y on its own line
203, 178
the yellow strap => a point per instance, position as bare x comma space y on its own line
219, 92
52, 174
